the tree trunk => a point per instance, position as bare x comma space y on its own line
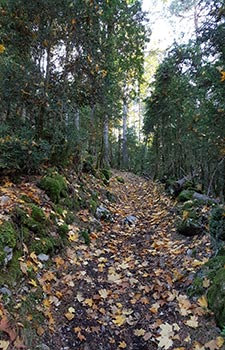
77, 119
124, 146
106, 142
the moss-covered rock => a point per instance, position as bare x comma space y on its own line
106, 174
8, 238
216, 297
185, 195
189, 227
30, 221
120, 179
45, 245
55, 186
217, 223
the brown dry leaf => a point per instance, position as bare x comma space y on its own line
184, 305
114, 278
40, 331
70, 314
154, 308
122, 345
193, 322
59, 261
139, 332
23, 267
19, 344
220, 341
4, 344
147, 336
6, 328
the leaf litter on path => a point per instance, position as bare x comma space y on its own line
127, 290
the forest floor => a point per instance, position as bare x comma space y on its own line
128, 289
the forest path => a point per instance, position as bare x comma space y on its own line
127, 290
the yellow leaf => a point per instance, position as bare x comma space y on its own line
219, 341
119, 320
222, 74
73, 237
185, 214
89, 302
122, 345
202, 301
2, 48
69, 315
33, 283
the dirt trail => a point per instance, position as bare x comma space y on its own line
127, 290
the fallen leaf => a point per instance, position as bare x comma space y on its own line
4, 344
202, 301
122, 345
193, 322
33, 283
119, 320
166, 334
70, 313
139, 332
103, 293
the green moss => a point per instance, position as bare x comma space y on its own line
86, 236
55, 186
35, 223
44, 245
70, 218
216, 297
63, 229
197, 288
8, 238
92, 205
37, 214
13, 272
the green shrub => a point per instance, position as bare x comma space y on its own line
22, 155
